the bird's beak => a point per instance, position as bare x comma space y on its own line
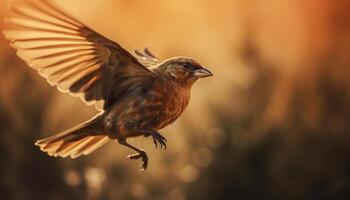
201, 73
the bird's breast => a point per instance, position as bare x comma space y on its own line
149, 109
163, 106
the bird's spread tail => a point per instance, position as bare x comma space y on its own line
80, 140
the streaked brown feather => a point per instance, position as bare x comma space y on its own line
67, 52
70, 55
89, 146
79, 140
74, 149
150, 54
147, 58
56, 46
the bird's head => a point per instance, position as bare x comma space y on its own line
184, 70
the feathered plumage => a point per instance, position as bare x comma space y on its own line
137, 95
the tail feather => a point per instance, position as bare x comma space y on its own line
90, 145
80, 140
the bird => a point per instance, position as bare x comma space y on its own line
135, 94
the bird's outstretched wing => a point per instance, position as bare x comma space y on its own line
146, 57
70, 55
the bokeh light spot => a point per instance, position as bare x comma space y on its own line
188, 174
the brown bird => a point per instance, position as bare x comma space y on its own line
137, 96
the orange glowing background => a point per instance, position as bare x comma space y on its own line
273, 123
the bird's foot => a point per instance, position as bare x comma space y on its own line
143, 157
157, 139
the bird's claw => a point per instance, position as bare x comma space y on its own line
158, 139
143, 157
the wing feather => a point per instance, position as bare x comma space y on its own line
70, 55
147, 58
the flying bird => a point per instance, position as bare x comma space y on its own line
136, 94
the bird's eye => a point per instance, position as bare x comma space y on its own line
187, 65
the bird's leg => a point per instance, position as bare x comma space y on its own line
140, 154
157, 138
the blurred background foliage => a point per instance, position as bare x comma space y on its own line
273, 123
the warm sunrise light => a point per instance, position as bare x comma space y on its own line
272, 123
